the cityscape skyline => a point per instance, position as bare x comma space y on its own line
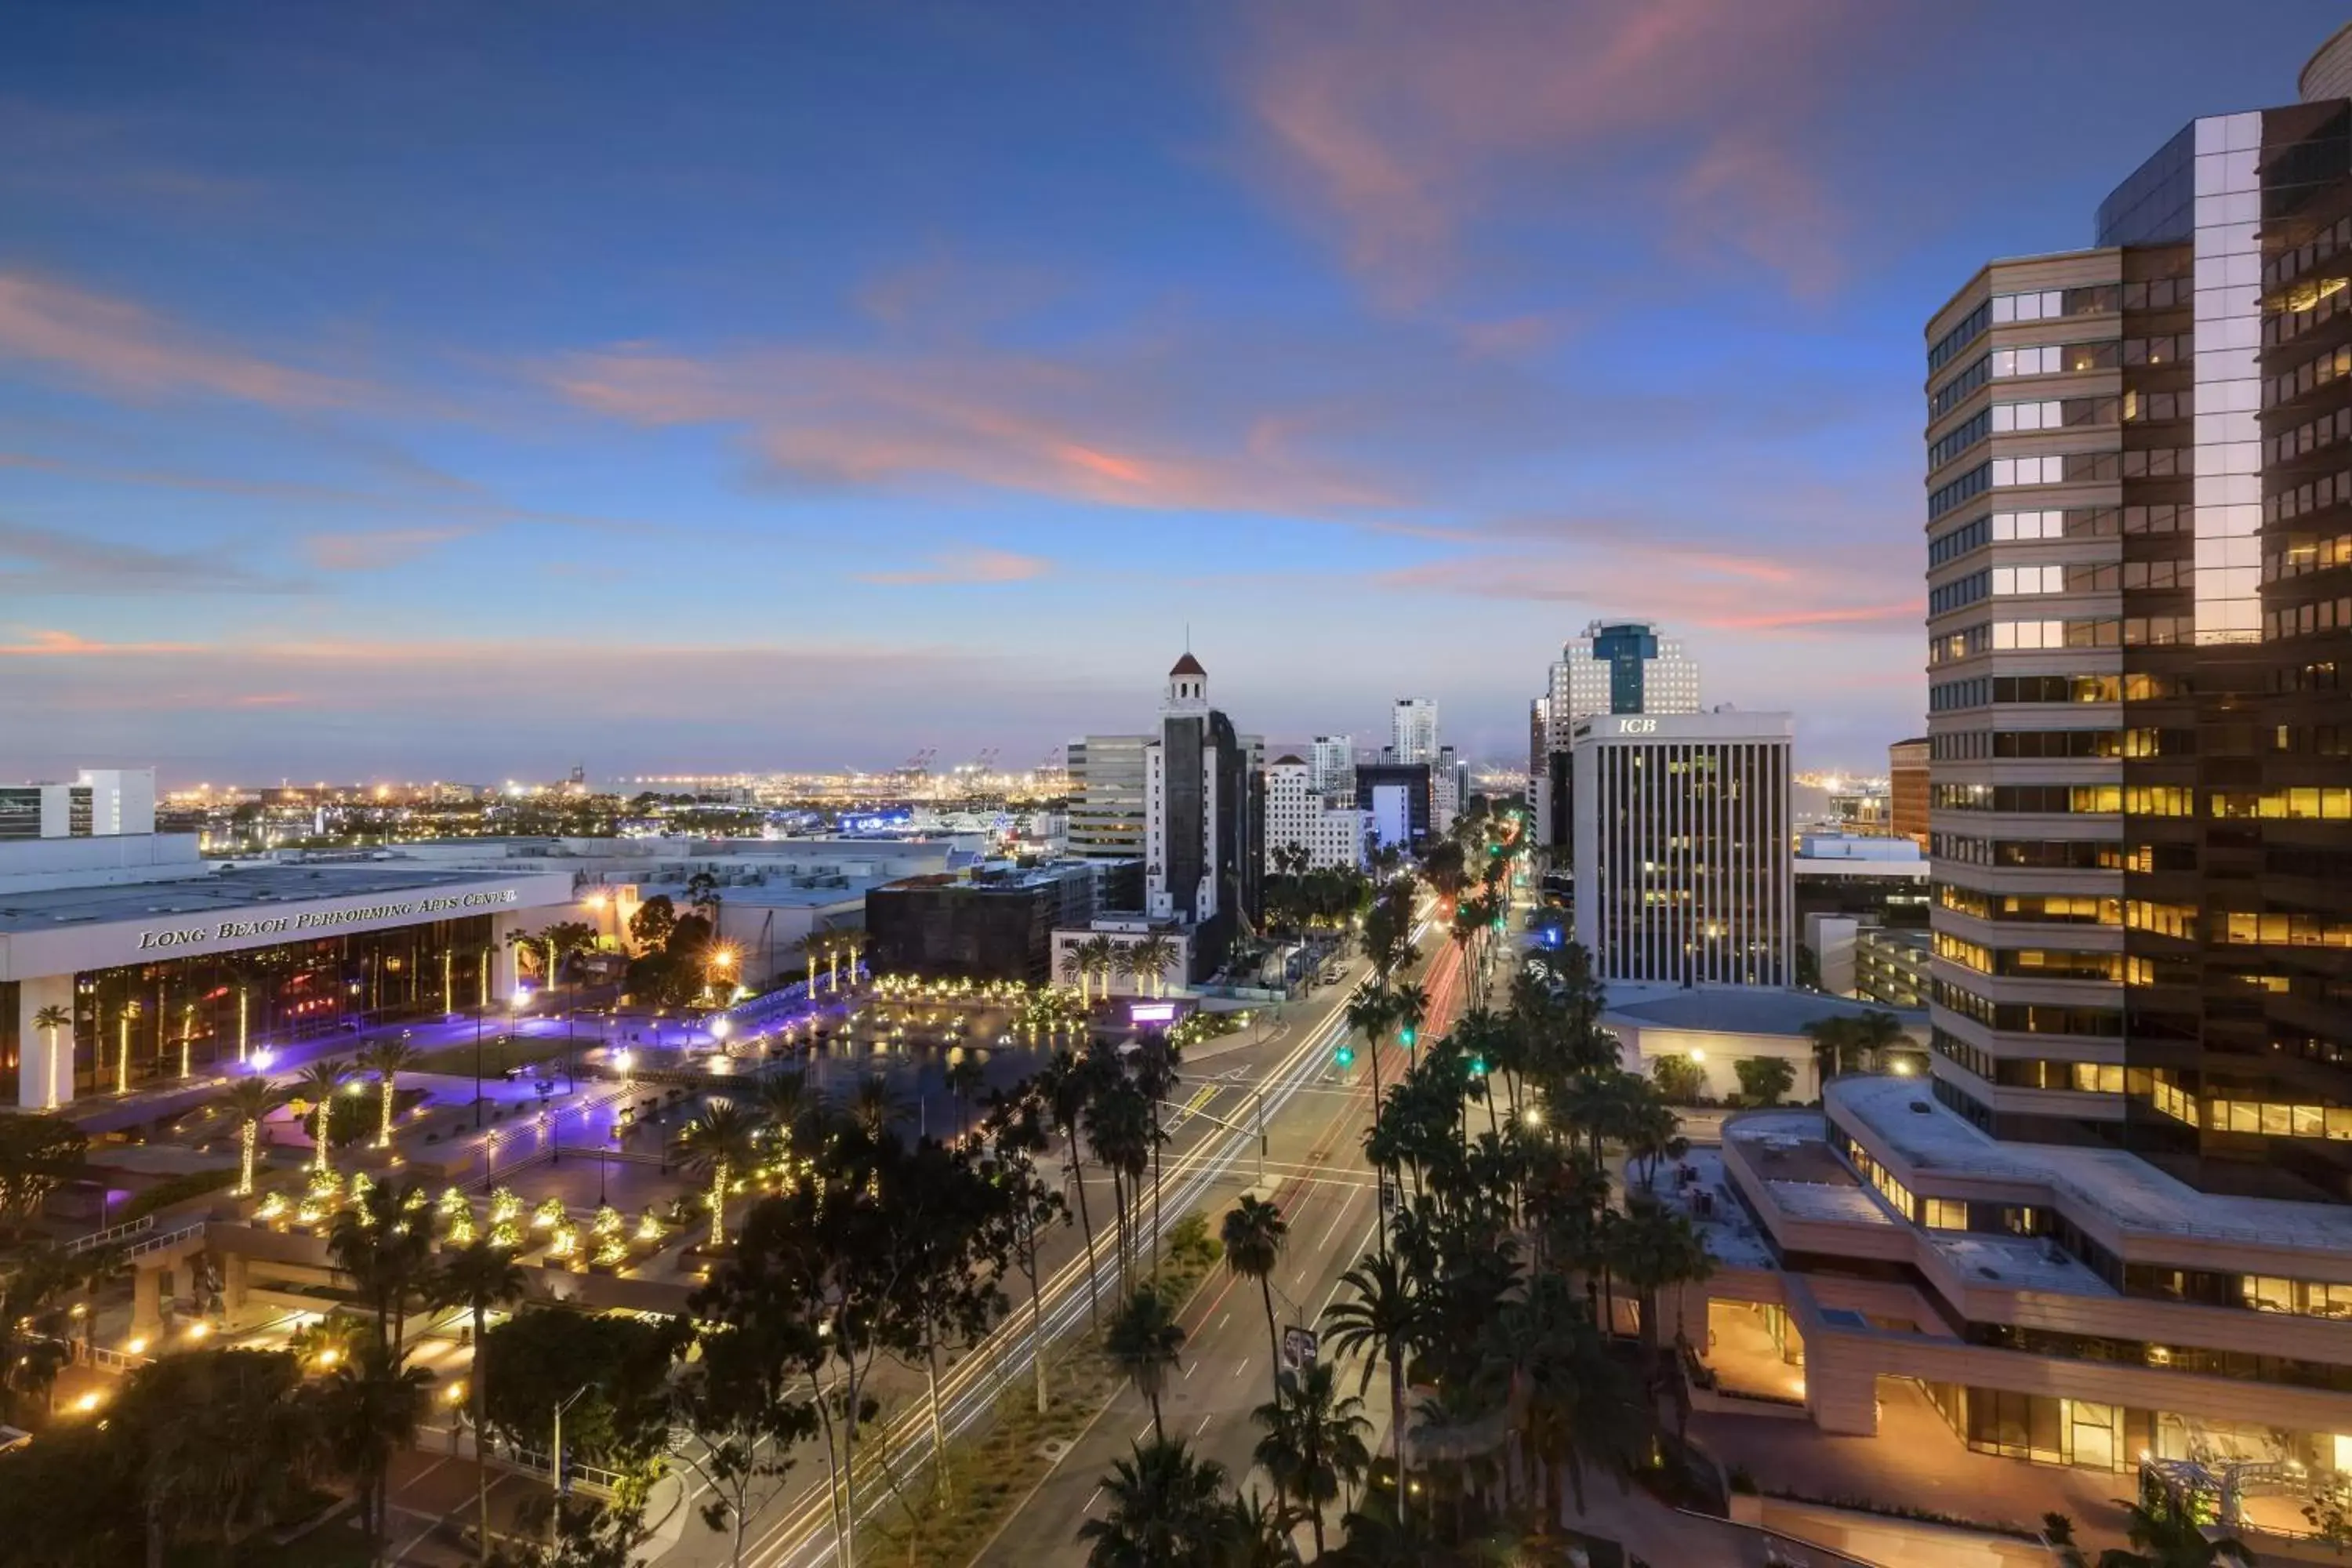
792, 432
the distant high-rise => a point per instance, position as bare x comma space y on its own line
1616, 666
1331, 765
1906, 789
1414, 731
1298, 815
1107, 796
101, 803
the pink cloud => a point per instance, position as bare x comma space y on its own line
125, 348
1395, 123
40, 644
1682, 586
376, 550
969, 566
1137, 427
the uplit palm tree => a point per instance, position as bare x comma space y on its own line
812, 947
1102, 956
249, 1101
1150, 958
123, 1020
1067, 1085
874, 1106
387, 1059
1253, 1232
50, 1020
1145, 1342
846, 944
719, 1142
561, 941
477, 1278
317, 1085
1074, 970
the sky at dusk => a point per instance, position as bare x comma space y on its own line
464, 391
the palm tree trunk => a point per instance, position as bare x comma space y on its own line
1155, 1190
938, 1430
1396, 1430
1085, 1226
1273, 1334
1037, 1319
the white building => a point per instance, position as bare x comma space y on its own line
102, 803
1331, 765
1681, 848
1297, 814
1412, 726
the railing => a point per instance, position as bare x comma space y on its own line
167, 1238
106, 1360
106, 1237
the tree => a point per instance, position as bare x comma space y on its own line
740, 1404
702, 895
1654, 1249
1145, 1341
2164, 1526
1253, 1232
1166, 1512
1101, 958
382, 1243
42, 1276
1026, 1207
1764, 1080
814, 946
215, 1443
387, 1059
1680, 1080
651, 926
955, 1247
317, 1086
719, 1144
371, 1409
965, 1078
561, 941
542, 1356
50, 1020
248, 1102
1067, 1085
1380, 1320
1314, 1442
478, 1276
37, 1155
1150, 958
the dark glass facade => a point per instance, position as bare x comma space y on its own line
1625, 649
2237, 783
139, 1023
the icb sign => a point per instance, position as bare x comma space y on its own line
1637, 726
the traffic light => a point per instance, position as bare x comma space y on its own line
1478, 1067
1343, 1054
1406, 1037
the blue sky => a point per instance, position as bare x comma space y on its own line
448, 390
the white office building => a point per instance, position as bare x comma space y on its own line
1299, 814
1331, 765
1616, 666
1413, 725
1682, 844
101, 803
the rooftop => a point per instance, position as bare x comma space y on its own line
1737, 1009
2133, 1193
224, 891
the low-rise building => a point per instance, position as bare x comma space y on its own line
1715, 1027
1329, 828
997, 924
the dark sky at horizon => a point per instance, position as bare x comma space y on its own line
448, 390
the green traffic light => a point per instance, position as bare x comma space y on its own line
1406, 1037
1345, 1056
1478, 1067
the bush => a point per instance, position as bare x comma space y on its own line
1190, 1241
1680, 1079
1765, 1079
173, 1190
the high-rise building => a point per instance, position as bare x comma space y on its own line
1681, 848
101, 803
1906, 789
1298, 815
1204, 818
1616, 666
1412, 729
1106, 818
2122, 1218
1331, 765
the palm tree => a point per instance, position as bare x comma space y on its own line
965, 1078
813, 948
319, 1084
874, 1106
1874, 1034
1260, 1533
1150, 958
1066, 1084
1254, 1233
786, 1106
719, 1142
1157, 1058
50, 1020
385, 1245
1382, 1321
1145, 1341
1314, 1442
123, 1020
561, 941
387, 1059
2164, 1526
1076, 970
1654, 1249
1101, 959
846, 944
1165, 1511
249, 1101
477, 1278
371, 1409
